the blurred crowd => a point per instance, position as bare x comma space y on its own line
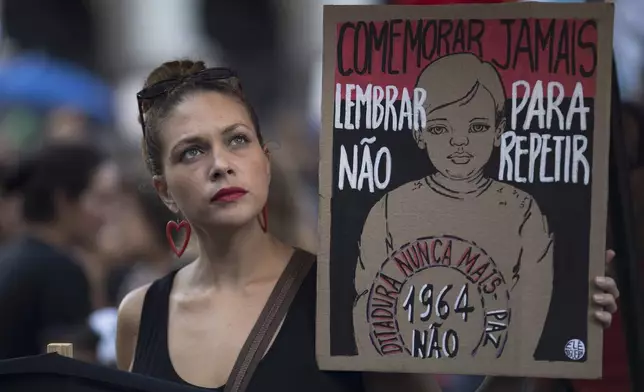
71, 169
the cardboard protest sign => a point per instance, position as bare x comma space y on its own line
463, 188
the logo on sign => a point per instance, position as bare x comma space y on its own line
575, 349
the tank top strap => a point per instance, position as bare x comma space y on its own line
152, 356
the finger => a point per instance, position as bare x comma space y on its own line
607, 301
607, 284
610, 255
604, 318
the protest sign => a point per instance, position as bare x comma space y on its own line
463, 188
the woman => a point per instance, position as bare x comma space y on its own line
204, 148
10, 220
65, 192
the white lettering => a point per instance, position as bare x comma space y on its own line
378, 106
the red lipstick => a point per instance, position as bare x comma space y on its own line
229, 194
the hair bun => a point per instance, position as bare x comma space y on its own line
174, 70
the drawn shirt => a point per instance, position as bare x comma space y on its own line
503, 221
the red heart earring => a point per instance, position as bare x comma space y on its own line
172, 225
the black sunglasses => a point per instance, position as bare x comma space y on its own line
165, 87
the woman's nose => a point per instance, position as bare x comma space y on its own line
221, 166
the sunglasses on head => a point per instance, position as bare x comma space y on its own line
165, 87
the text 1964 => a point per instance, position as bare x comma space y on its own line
431, 342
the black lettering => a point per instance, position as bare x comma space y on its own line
494, 283
492, 273
393, 338
447, 255
361, 28
459, 37
544, 40
435, 259
475, 35
423, 252
478, 273
563, 48
378, 42
403, 266
395, 285
451, 350
413, 40
524, 45
509, 41
382, 290
427, 25
426, 296
411, 257
393, 34
434, 348
444, 31
340, 64
587, 45
468, 259
418, 343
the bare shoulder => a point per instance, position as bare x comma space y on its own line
131, 306
127, 329
385, 382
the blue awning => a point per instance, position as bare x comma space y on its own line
45, 83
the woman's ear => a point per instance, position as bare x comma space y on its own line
498, 132
161, 187
267, 152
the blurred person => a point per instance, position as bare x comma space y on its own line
255, 51
66, 28
615, 375
205, 151
66, 192
136, 238
10, 218
44, 98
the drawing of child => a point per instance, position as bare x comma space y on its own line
465, 110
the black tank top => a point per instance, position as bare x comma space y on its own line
289, 364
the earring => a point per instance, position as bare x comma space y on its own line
263, 220
172, 225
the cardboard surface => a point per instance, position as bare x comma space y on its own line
463, 188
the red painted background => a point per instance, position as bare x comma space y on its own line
494, 47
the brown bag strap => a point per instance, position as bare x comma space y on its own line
269, 320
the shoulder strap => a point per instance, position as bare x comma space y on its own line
269, 320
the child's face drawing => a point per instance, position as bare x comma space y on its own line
459, 138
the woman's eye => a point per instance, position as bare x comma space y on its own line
239, 140
437, 129
191, 153
477, 128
